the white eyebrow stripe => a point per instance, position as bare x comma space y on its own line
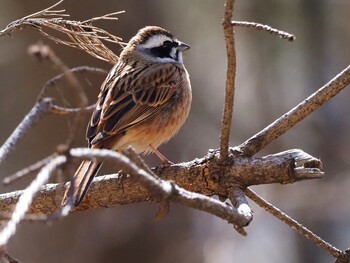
155, 41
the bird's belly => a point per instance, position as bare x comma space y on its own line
158, 129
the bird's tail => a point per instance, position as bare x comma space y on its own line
81, 182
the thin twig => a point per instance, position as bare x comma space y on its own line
46, 52
135, 158
67, 111
66, 72
81, 70
47, 10
26, 198
6, 258
30, 169
39, 109
110, 16
295, 115
230, 80
333, 251
27, 218
164, 205
281, 34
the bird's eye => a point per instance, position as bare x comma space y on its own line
167, 43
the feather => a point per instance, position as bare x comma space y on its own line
136, 95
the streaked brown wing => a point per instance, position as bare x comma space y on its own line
136, 95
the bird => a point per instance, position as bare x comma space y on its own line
143, 102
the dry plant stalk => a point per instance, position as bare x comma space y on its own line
226, 172
83, 35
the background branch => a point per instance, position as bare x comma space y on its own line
295, 115
294, 224
230, 80
258, 26
39, 109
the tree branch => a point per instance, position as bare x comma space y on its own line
39, 109
204, 176
25, 200
258, 26
230, 80
333, 251
295, 115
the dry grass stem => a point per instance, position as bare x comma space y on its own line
81, 35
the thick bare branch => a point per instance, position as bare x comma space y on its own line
295, 115
203, 176
166, 190
169, 191
230, 80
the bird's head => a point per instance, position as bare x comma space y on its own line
157, 44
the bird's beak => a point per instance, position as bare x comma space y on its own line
183, 46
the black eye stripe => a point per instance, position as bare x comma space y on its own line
168, 43
161, 52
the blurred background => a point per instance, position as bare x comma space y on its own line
272, 77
